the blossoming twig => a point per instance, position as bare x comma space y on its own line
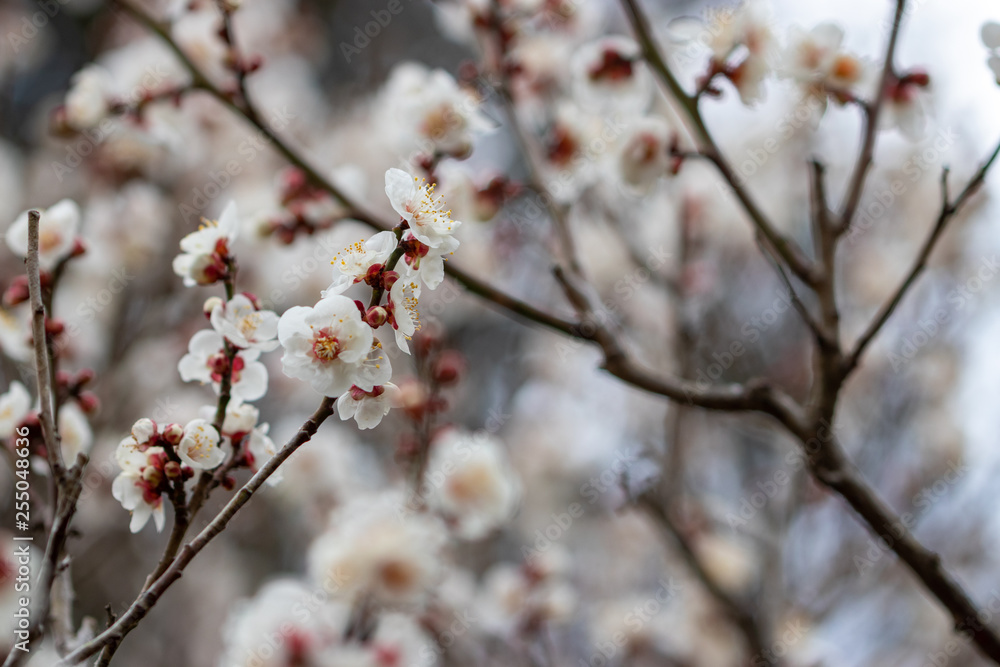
151, 595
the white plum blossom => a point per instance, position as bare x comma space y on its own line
644, 153
75, 434
299, 639
427, 263
15, 404
142, 482
477, 489
402, 308
206, 362
329, 347
15, 335
816, 61
367, 407
199, 446
375, 548
242, 324
746, 36
58, 226
89, 98
204, 253
609, 75
351, 265
512, 595
414, 200
240, 428
437, 114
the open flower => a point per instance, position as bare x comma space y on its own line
644, 155
427, 263
816, 61
207, 362
352, 264
14, 407
373, 548
57, 229
244, 326
433, 111
367, 407
402, 309
608, 74
329, 346
475, 487
416, 203
145, 476
88, 99
205, 253
199, 447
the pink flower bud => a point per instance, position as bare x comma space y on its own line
376, 316
210, 305
173, 433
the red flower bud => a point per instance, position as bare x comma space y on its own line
448, 367
376, 316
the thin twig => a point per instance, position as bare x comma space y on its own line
948, 211
872, 113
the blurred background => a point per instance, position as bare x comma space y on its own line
675, 263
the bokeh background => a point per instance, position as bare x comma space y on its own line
919, 417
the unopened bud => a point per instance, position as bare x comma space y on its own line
172, 470
210, 304
54, 327
88, 402
376, 316
389, 279
152, 475
449, 367
173, 433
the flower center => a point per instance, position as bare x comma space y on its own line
326, 347
248, 324
48, 240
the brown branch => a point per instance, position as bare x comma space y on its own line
871, 113
731, 607
785, 248
949, 208
148, 599
43, 376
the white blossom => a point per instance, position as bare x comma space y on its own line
374, 548
329, 346
351, 264
58, 226
367, 407
203, 253
206, 362
472, 483
15, 405
88, 100
416, 203
244, 326
199, 447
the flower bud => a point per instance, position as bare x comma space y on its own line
389, 279
173, 433
54, 326
88, 402
172, 470
85, 376
17, 293
152, 475
210, 304
448, 367
376, 316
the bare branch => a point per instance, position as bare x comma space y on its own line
948, 211
43, 375
872, 113
785, 248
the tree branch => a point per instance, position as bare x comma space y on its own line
148, 599
948, 211
872, 113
